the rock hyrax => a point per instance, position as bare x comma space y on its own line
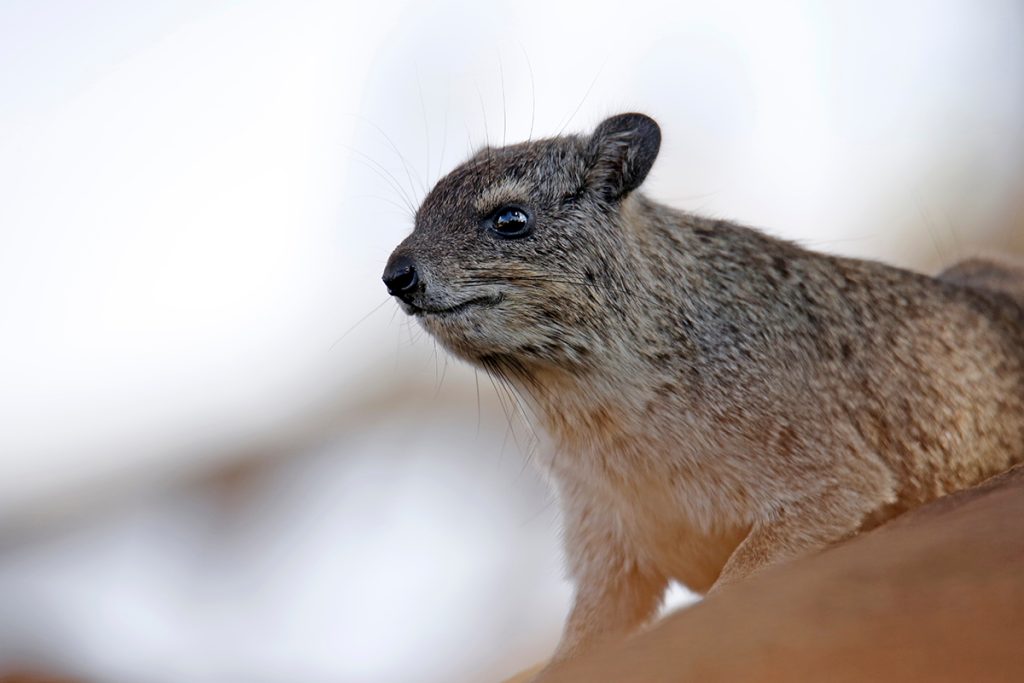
720, 400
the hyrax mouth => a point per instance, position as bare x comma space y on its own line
475, 302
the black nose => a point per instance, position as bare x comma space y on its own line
400, 277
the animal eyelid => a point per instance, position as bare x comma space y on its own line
502, 194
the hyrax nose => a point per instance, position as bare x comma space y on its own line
400, 277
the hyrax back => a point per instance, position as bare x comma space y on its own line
721, 400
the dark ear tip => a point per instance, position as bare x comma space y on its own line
641, 125
624, 148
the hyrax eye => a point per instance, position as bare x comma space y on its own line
510, 222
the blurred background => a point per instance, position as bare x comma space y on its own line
225, 455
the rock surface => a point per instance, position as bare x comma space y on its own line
935, 595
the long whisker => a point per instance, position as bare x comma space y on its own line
358, 323
522, 408
426, 127
381, 174
444, 142
518, 407
508, 416
483, 110
504, 106
476, 381
585, 96
444, 372
545, 279
394, 147
401, 207
384, 174
533, 91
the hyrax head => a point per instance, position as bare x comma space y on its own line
515, 254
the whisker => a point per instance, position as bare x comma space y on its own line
358, 323
483, 111
383, 173
585, 96
444, 143
394, 147
544, 508
444, 373
426, 126
533, 91
401, 207
520, 406
508, 417
544, 279
476, 381
438, 388
504, 107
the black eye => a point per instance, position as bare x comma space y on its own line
510, 222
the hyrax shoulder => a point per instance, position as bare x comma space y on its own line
720, 400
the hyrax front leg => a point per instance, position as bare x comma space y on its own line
608, 607
799, 527
615, 592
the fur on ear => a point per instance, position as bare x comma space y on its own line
622, 150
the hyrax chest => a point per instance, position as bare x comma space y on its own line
651, 500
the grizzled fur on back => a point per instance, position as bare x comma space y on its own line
720, 400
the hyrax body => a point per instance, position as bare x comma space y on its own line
720, 400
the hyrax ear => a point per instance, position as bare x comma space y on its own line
622, 151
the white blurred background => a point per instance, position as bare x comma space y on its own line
224, 455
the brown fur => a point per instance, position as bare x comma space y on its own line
720, 400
